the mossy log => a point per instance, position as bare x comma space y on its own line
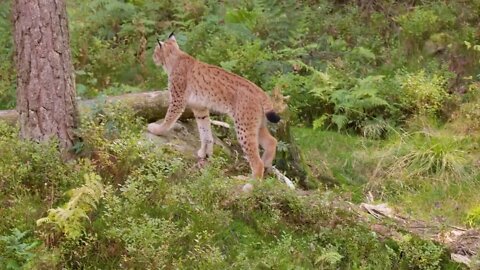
9, 116
149, 105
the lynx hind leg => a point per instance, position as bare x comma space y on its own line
205, 133
247, 135
269, 145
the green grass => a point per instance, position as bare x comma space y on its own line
337, 156
434, 191
446, 204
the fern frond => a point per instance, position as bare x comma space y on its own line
69, 218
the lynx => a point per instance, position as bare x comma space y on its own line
203, 87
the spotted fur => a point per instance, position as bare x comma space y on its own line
203, 87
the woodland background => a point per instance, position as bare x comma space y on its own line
383, 100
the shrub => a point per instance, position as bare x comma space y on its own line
421, 93
473, 217
421, 254
34, 167
419, 22
7, 69
466, 119
16, 250
110, 137
164, 212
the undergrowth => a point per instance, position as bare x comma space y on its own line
162, 212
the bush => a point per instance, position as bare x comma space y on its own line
421, 93
163, 212
420, 254
466, 119
110, 136
34, 167
420, 22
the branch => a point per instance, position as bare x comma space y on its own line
280, 176
220, 123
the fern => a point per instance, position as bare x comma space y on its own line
340, 120
357, 104
15, 250
69, 218
329, 256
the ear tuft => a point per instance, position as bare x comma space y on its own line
172, 36
159, 42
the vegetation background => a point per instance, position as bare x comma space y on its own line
384, 97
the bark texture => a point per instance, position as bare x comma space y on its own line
45, 82
290, 160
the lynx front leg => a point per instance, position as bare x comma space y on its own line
205, 132
177, 105
173, 113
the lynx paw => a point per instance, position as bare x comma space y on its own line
156, 129
202, 162
247, 188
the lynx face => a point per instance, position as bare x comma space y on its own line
158, 57
165, 50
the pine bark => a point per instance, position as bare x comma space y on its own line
45, 81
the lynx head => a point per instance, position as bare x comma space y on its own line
165, 50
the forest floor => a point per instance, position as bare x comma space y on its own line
150, 205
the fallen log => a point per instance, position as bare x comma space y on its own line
9, 116
149, 105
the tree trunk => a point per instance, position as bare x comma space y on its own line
45, 82
289, 159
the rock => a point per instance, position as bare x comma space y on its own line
183, 137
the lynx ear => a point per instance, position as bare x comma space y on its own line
172, 36
159, 42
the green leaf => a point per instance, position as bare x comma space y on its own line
331, 257
468, 44
229, 65
340, 120
320, 122
364, 52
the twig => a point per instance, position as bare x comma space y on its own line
461, 259
280, 176
220, 123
